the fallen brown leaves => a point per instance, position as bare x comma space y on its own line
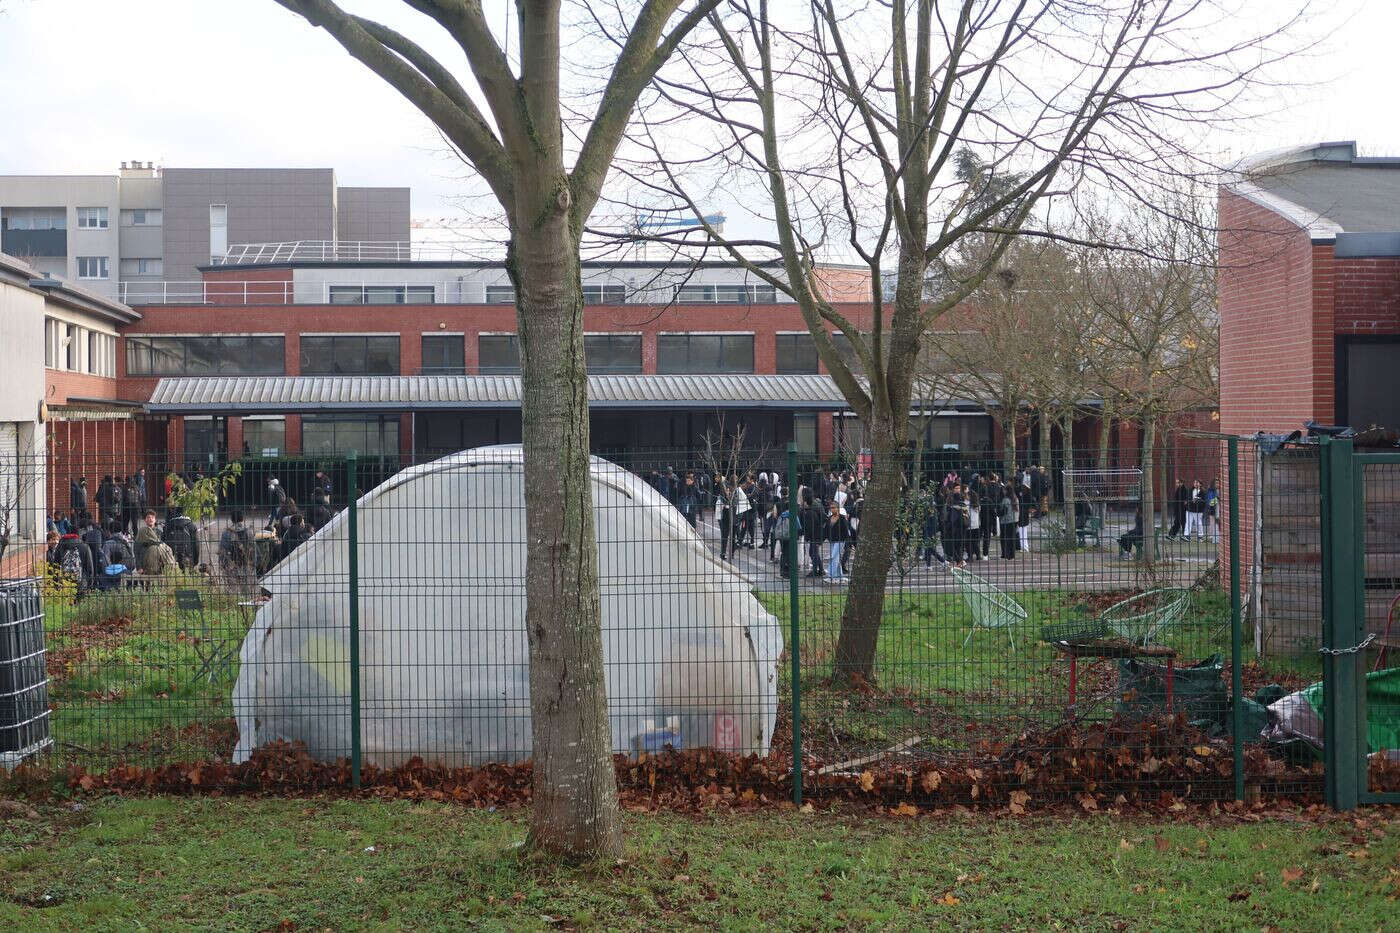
1131, 765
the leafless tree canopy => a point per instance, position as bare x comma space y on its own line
920, 139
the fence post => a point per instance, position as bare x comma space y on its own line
353, 531
1236, 618
1340, 589
794, 625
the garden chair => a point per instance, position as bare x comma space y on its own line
213, 649
1143, 617
991, 608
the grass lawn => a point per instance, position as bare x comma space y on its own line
167, 863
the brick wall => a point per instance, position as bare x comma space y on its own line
1368, 296
412, 321
1274, 289
60, 386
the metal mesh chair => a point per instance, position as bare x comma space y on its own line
1143, 617
991, 608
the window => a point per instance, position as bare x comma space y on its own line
92, 218
796, 353
102, 353
604, 294
443, 355
69, 356
1368, 383
92, 267
704, 353
613, 353
338, 435
804, 433
500, 294
53, 340
142, 267
181, 356
218, 231
264, 437
498, 354
141, 217
350, 355
847, 352
726, 294
34, 218
382, 294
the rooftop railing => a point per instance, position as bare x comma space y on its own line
463, 291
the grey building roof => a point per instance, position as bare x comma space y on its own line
1327, 189
312, 394
64, 292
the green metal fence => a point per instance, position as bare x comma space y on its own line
1093, 629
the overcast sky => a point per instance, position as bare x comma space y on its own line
87, 84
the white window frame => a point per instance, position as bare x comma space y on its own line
128, 217
103, 267
93, 218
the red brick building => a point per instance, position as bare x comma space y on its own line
1309, 291
273, 324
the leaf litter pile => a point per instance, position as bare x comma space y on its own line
1151, 765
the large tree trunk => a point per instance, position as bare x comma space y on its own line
1066, 476
575, 792
865, 601
1149, 496
1105, 425
1008, 434
1045, 454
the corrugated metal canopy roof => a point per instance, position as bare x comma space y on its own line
294, 394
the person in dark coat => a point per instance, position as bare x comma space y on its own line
955, 519
73, 557
297, 535
1131, 541
106, 499
182, 537
1009, 515
78, 496
1180, 495
688, 500
813, 519
838, 531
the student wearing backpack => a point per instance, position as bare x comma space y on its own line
782, 534
182, 538
1009, 518
236, 546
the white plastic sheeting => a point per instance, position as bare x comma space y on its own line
444, 656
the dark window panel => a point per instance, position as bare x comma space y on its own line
498, 354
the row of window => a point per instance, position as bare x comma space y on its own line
444, 354
321, 435
79, 349
89, 218
684, 294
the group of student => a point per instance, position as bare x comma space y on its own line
965, 513
1195, 508
828, 518
98, 551
244, 551
97, 556
120, 500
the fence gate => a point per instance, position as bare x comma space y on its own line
1360, 631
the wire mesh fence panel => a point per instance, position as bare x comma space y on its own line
1051, 633
1379, 690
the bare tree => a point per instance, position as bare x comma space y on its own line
519, 146
853, 128
1157, 329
